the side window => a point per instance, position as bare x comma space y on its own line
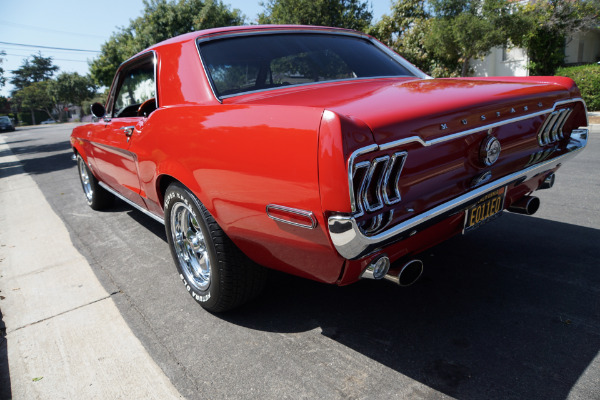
136, 86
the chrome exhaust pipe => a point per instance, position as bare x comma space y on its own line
377, 269
407, 275
548, 182
527, 205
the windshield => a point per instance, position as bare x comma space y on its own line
248, 63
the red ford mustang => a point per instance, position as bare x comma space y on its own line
316, 151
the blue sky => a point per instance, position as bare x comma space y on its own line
81, 24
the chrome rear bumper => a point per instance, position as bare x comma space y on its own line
352, 243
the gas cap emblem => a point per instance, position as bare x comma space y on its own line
489, 150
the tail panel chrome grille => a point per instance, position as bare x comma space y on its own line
375, 182
552, 128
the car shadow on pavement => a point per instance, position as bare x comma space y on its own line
37, 159
490, 318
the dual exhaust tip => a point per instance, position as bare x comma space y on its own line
405, 275
528, 205
410, 272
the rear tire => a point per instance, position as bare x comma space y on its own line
214, 271
95, 195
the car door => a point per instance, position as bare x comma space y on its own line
133, 90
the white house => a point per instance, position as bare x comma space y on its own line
582, 48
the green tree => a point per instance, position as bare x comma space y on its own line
71, 88
548, 25
465, 29
36, 96
442, 36
405, 31
351, 14
2, 78
38, 69
161, 19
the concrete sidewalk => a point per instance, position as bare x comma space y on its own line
65, 338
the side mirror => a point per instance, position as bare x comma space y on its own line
98, 110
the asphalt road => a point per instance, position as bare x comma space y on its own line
509, 311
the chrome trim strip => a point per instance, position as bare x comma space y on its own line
544, 135
259, 31
208, 76
131, 203
303, 213
366, 166
562, 131
559, 124
457, 135
350, 169
417, 139
364, 196
352, 243
399, 157
299, 85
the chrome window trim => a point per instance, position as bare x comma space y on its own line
433, 142
303, 213
351, 243
346, 80
206, 74
131, 203
113, 89
227, 35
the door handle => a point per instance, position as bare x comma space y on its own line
128, 130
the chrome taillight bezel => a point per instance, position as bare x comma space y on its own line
374, 183
552, 130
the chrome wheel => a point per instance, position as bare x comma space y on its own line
190, 246
85, 179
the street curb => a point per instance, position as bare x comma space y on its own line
65, 337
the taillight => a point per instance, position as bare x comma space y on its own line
552, 128
375, 182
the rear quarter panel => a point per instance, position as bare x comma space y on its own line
237, 159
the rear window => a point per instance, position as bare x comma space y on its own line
248, 63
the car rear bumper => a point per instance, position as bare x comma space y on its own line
352, 243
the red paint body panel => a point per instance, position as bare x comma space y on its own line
293, 147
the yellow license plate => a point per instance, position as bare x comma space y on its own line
487, 208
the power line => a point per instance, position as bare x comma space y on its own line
48, 47
57, 59
38, 28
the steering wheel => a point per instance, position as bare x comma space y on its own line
146, 107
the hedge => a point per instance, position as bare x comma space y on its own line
587, 78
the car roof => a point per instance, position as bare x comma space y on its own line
207, 33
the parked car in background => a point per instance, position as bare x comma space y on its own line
6, 124
316, 151
48, 121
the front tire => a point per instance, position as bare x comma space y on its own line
95, 195
215, 272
